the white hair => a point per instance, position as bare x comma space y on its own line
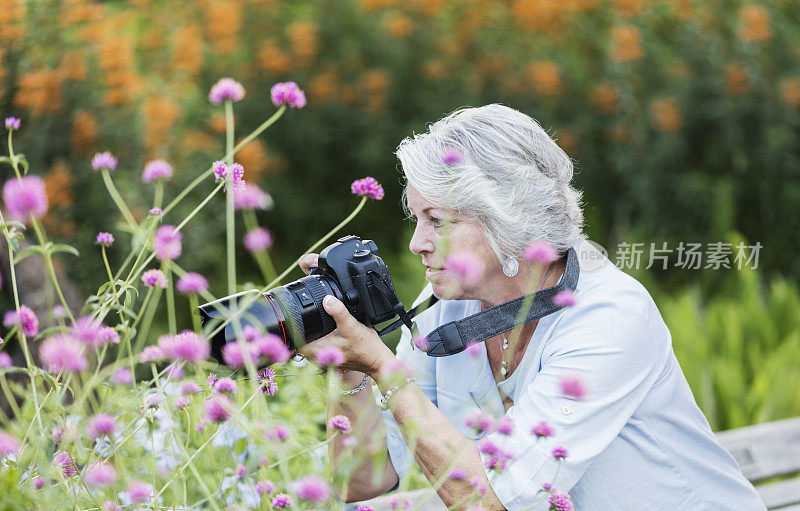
509, 175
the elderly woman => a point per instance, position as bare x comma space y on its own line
487, 182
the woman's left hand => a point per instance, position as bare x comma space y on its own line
363, 349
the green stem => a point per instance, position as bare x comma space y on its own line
193, 306
200, 206
170, 301
50, 268
230, 225
148, 319
118, 200
158, 196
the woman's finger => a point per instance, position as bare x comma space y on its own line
309, 261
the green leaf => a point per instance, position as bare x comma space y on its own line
25, 253
60, 247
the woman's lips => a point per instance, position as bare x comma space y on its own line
431, 272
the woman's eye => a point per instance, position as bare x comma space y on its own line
437, 222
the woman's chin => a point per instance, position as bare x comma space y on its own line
445, 289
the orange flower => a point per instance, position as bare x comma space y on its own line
187, 52
666, 115
324, 87
605, 97
223, 23
196, 140
754, 24
374, 85
629, 7
12, 21
160, 115
545, 77
790, 91
429, 7
73, 65
373, 5
84, 132
398, 26
304, 40
736, 78
58, 185
539, 15
273, 59
434, 69
40, 91
625, 44
253, 157
217, 123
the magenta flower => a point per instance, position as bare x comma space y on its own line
226, 89
25, 319
278, 432
105, 238
104, 161
212, 380
5, 360
192, 283
458, 474
465, 266
559, 453
329, 356
340, 423
473, 349
504, 425
250, 196
13, 123
61, 352
541, 252
89, 331
181, 403
167, 242
572, 387
479, 421
397, 504
542, 430
257, 240
546, 486
152, 401
451, 157
38, 483
108, 334
225, 385
110, 505
266, 377
173, 372
151, 354
367, 187
154, 278
237, 353
190, 387
217, 408
156, 212
100, 425
122, 376
233, 174
282, 501
272, 349
66, 463
24, 197
560, 501
156, 169
139, 491
364, 508
99, 473
186, 346
265, 487
312, 489
565, 298
421, 342
287, 93
8, 444
486, 446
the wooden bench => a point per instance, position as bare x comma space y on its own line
763, 451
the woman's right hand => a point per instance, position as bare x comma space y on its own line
309, 261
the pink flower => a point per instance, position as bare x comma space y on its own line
167, 242
367, 187
156, 212
104, 238
364, 508
340, 423
225, 385
560, 501
192, 283
257, 240
190, 387
152, 401
572, 387
217, 408
153, 278
288, 93
173, 372
451, 157
273, 349
312, 489
559, 453
236, 353
5, 360
266, 378
151, 354
100, 425
8, 444
250, 196
186, 346
66, 462
282, 501
474, 349
540, 252
212, 380
465, 266
479, 421
241, 470
265, 487
421, 342
226, 89
181, 403
13, 123
24, 197
233, 175
99, 473
396, 504
111, 506
38, 482
156, 169
278, 432
89, 331
329, 356
139, 491
61, 352
108, 334
504, 425
542, 430
104, 161
458, 474
122, 376
565, 298
25, 318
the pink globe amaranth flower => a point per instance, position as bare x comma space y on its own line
473, 349
266, 378
38, 483
104, 161
217, 408
233, 175
236, 354
66, 463
312, 489
190, 387
458, 474
364, 508
24, 197
478, 420
56, 433
546, 486
192, 283
241, 470
104, 238
100, 425
329, 356
340, 423
12, 123
367, 187
250, 196
542, 430
108, 334
181, 403
5, 360
151, 354
465, 266
111, 506
272, 349
451, 157
478, 485
25, 318
504, 425
122, 376
559, 453
89, 331
287, 93
226, 89
8, 444
225, 385
61, 352
173, 372
186, 346
572, 387
565, 298
156, 212
212, 380
154, 278
139, 491
152, 401
257, 240
99, 473
156, 169
560, 501
486, 446
397, 504
541, 252
282, 501
421, 342
278, 432
264, 487
167, 242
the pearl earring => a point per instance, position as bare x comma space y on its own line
511, 267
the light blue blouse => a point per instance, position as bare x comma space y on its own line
637, 440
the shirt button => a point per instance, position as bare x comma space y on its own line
566, 410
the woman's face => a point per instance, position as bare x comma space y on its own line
439, 232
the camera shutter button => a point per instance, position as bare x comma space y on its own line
362, 254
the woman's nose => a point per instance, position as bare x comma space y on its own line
419, 241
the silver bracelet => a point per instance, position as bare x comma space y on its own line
384, 404
350, 392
